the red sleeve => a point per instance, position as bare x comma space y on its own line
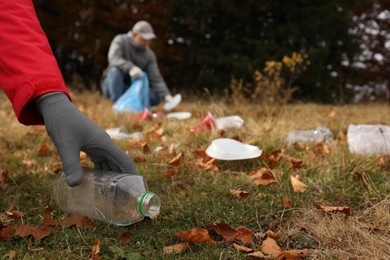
28, 67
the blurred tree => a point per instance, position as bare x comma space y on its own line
231, 37
204, 43
372, 31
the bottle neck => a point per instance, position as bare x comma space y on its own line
149, 204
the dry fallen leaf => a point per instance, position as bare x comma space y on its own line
125, 238
208, 166
360, 176
321, 149
270, 247
79, 221
43, 151
240, 194
47, 218
262, 177
272, 234
169, 173
95, 254
15, 214
197, 235
11, 254
242, 248
176, 249
334, 209
297, 185
287, 203
176, 160
296, 163
244, 235
257, 255
23, 230
225, 230
6, 232
230, 234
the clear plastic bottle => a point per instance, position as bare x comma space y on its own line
120, 199
318, 135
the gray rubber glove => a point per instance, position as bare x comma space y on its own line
71, 132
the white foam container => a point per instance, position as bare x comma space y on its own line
230, 149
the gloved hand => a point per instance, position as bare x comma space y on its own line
135, 72
71, 132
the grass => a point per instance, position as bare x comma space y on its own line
194, 198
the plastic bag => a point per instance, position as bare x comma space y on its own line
369, 139
136, 98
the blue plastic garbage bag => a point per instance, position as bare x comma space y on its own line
136, 98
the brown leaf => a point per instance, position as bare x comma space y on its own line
293, 254
321, 149
286, 202
140, 144
229, 234
125, 238
270, 247
23, 230
175, 249
360, 176
11, 254
3, 178
273, 224
95, 254
242, 248
197, 235
169, 173
47, 218
296, 163
79, 221
208, 166
273, 235
15, 214
223, 229
334, 209
155, 131
43, 151
297, 185
242, 195
262, 177
176, 160
257, 255
244, 235
6, 232
140, 159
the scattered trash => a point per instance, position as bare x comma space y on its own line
318, 135
136, 98
117, 134
146, 115
230, 149
173, 102
369, 139
117, 198
158, 115
179, 115
224, 123
207, 122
